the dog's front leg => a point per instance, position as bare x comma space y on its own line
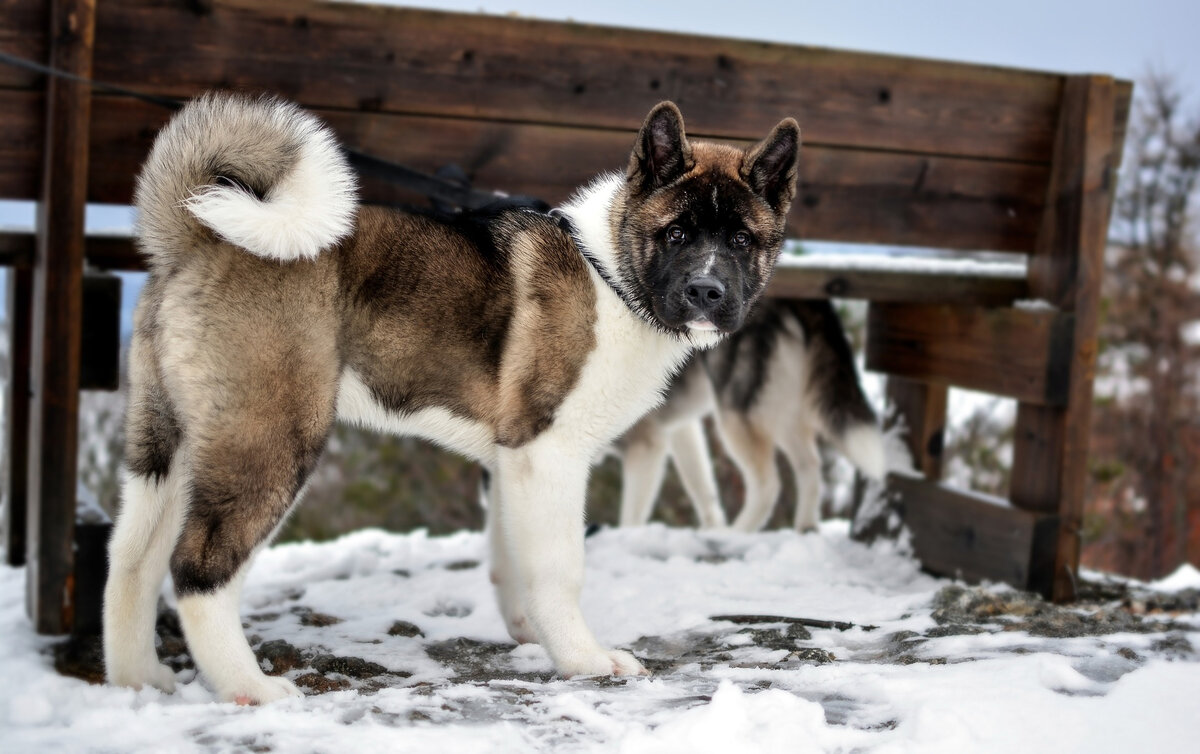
542, 491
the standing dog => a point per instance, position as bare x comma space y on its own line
276, 305
784, 379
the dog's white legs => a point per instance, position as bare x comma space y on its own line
689, 450
212, 625
643, 463
504, 578
542, 490
754, 453
800, 448
139, 551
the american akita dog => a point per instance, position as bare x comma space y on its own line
784, 379
276, 305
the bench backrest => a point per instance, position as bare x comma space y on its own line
896, 150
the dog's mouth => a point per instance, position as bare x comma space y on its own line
701, 324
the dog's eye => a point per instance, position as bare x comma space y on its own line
676, 234
741, 239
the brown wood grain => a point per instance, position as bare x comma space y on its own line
1014, 352
923, 409
404, 60
845, 195
476, 66
57, 311
20, 314
895, 286
972, 536
1067, 270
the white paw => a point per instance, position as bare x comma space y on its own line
605, 662
153, 674
262, 690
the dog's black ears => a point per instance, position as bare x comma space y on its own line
770, 167
662, 152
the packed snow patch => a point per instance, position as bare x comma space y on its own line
768, 642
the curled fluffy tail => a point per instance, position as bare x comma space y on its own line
261, 173
845, 411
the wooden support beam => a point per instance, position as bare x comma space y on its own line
1050, 452
976, 537
1019, 353
102, 252
922, 407
57, 309
895, 286
20, 314
100, 338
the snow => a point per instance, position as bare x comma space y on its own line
996, 691
863, 262
1186, 576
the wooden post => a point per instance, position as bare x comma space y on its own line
1050, 451
20, 311
923, 407
57, 308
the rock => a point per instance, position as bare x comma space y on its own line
309, 617
319, 684
404, 628
354, 667
282, 656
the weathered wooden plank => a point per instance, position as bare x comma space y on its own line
472, 65
923, 408
1067, 271
23, 25
16, 250
1023, 354
1038, 440
846, 195
100, 339
975, 537
476, 66
20, 315
57, 308
895, 285
91, 573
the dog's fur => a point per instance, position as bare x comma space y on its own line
783, 380
276, 305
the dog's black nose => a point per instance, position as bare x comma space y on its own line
705, 293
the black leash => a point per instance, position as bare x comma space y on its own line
443, 193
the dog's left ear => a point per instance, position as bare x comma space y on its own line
770, 167
662, 152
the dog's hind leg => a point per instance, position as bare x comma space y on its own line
149, 521
689, 451
753, 451
244, 478
152, 506
643, 464
800, 448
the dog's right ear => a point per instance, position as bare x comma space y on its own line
662, 152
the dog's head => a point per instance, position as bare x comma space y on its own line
702, 224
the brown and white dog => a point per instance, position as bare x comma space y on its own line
784, 379
276, 305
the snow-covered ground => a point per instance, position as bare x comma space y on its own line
929, 666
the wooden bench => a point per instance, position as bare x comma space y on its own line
896, 151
